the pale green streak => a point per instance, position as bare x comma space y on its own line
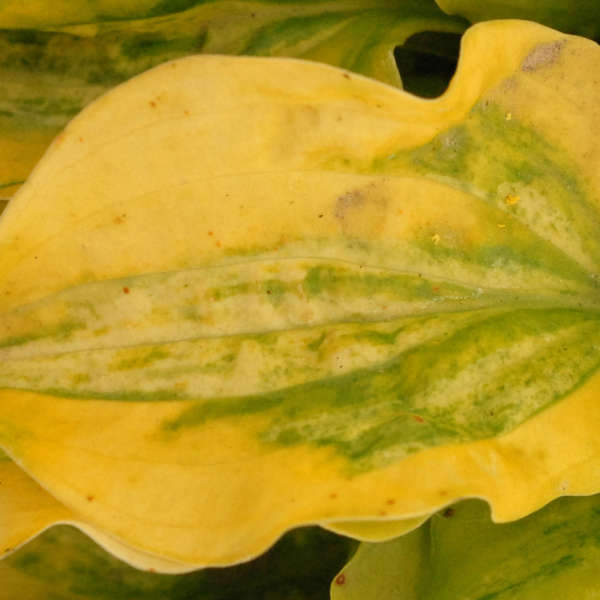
387, 363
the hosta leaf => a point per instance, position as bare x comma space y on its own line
244, 294
50, 73
461, 555
38, 14
26, 509
63, 564
582, 18
375, 531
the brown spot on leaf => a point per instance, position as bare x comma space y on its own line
333, 495
345, 75
362, 212
390, 501
340, 579
542, 55
449, 512
152, 103
90, 498
126, 290
347, 202
419, 419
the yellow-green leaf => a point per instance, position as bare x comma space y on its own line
241, 295
69, 53
460, 554
582, 18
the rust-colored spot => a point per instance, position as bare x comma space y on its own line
151, 570
90, 498
269, 292
152, 103
210, 233
126, 290
186, 112
436, 288
340, 579
333, 495
449, 512
321, 216
418, 418
390, 501
218, 243
382, 513
345, 75
81, 139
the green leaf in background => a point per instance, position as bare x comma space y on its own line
460, 554
49, 70
580, 16
64, 564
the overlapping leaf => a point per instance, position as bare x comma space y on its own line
64, 55
459, 554
243, 294
582, 18
63, 563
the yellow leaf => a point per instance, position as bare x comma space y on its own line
224, 314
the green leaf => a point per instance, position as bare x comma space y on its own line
63, 564
460, 554
51, 70
244, 294
582, 18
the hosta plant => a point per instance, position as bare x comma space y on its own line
241, 295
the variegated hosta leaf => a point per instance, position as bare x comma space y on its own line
63, 564
244, 294
50, 73
36, 14
582, 18
460, 554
